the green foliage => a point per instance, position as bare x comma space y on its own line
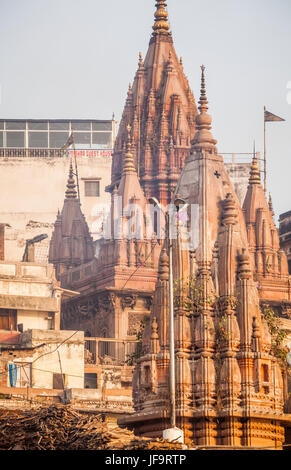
221, 330
277, 334
190, 295
132, 358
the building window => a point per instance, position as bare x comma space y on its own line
90, 380
7, 319
265, 373
147, 374
59, 381
92, 188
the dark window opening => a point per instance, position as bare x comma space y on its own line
147, 374
92, 188
8, 319
90, 380
265, 373
59, 381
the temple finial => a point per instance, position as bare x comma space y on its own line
270, 203
128, 166
203, 108
71, 192
161, 25
140, 60
255, 177
203, 137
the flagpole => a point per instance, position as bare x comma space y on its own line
265, 167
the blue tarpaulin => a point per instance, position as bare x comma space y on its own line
12, 374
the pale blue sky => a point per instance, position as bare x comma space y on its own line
74, 59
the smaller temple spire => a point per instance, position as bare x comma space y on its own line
164, 266
270, 203
203, 137
128, 166
203, 108
140, 61
161, 25
255, 172
71, 192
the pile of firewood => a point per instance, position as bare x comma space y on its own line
59, 427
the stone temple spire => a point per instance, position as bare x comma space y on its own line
255, 172
161, 25
160, 106
71, 192
71, 244
203, 138
128, 165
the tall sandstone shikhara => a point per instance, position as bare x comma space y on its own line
161, 110
231, 388
229, 383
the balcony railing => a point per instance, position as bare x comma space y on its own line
109, 350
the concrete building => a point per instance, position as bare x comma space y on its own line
285, 235
44, 359
33, 174
239, 172
30, 336
30, 297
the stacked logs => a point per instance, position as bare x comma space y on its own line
59, 427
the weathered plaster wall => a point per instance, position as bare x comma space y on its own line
33, 319
239, 174
2, 238
48, 352
32, 190
30, 289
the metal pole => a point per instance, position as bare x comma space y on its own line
171, 328
265, 151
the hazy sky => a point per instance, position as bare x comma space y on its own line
75, 58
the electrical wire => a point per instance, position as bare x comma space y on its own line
49, 352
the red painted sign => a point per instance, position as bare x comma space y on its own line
91, 153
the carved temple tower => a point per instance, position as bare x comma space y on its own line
161, 110
116, 289
71, 243
229, 383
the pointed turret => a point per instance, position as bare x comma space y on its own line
255, 177
71, 243
71, 192
270, 203
269, 262
203, 139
